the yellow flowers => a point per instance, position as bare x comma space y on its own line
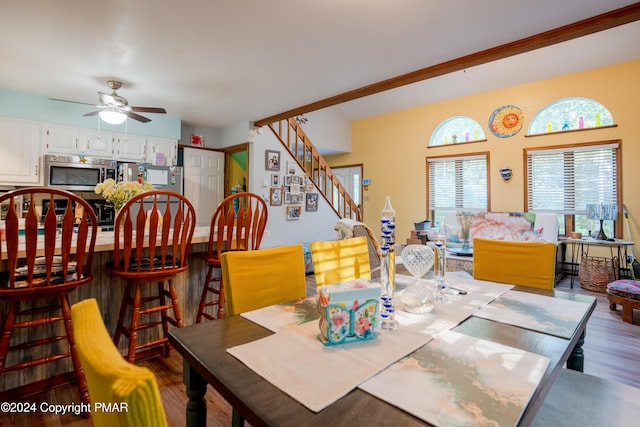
118, 193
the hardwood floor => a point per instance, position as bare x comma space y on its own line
611, 352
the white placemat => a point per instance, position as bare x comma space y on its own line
553, 316
295, 361
457, 380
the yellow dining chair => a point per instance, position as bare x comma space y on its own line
519, 263
111, 379
263, 277
340, 260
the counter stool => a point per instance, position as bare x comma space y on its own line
626, 293
55, 258
152, 236
237, 224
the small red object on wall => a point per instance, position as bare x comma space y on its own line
197, 140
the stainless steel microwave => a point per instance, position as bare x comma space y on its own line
77, 173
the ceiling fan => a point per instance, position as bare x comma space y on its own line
114, 109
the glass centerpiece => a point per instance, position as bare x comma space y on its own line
418, 297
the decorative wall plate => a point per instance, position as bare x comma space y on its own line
506, 121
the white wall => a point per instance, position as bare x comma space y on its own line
329, 130
211, 135
312, 226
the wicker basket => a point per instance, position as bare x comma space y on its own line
597, 272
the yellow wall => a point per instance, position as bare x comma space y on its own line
393, 146
237, 174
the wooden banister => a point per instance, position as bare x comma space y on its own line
293, 137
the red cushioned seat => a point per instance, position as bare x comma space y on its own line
626, 293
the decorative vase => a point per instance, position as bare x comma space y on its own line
418, 297
464, 219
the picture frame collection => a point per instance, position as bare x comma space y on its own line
291, 189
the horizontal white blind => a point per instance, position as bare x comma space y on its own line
566, 180
458, 182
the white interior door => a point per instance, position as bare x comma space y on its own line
203, 181
351, 180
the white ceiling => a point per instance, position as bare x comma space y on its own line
217, 62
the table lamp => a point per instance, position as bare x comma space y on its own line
602, 212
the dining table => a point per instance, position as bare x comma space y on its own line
212, 354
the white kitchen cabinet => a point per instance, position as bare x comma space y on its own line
131, 148
98, 143
58, 139
19, 152
162, 151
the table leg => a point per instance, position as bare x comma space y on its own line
236, 419
196, 412
576, 358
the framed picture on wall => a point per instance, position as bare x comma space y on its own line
291, 168
275, 180
294, 212
272, 160
312, 202
275, 196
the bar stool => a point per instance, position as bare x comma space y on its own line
152, 236
237, 224
40, 274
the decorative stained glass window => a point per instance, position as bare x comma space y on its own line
455, 130
570, 114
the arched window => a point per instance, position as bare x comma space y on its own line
455, 130
570, 114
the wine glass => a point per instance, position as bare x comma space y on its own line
418, 296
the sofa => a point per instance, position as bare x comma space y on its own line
512, 226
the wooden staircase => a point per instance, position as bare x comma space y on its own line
291, 135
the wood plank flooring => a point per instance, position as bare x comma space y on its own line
611, 352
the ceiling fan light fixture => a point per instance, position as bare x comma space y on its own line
112, 116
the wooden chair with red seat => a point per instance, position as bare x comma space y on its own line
40, 273
152, 237
238, 223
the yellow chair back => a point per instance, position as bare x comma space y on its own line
519, 263
110, 378
340, 260
256, 279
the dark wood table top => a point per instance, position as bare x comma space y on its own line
204, 346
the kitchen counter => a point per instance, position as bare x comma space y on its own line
108, 291
104, 240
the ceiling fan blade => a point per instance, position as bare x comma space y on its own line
149, 110
107, 99
73, 102
93, 113
137, 117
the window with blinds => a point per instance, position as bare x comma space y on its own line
457, 183
565, 179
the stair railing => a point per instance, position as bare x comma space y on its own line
292, 136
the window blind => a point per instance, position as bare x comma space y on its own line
565, 180
458, 182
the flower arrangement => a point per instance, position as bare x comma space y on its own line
118, 193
